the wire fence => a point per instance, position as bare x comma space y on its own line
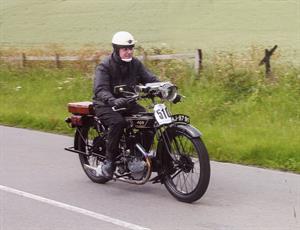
24, 59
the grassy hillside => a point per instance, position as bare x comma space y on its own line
180, 24
244, 117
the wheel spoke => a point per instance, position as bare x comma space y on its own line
190, 183
183, 185
185, 182
176, 174
192, 179
86, 138
186, 178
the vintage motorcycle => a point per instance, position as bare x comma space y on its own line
178, 156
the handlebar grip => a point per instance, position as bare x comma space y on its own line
129, 100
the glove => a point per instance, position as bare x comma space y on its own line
120, 102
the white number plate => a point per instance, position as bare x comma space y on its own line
162, 114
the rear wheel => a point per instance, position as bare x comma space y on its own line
84, 140
191, 168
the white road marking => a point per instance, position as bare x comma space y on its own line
74, 209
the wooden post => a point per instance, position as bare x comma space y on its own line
23, 60
198, 61
57, 62
145, 57
95, 60
266, 60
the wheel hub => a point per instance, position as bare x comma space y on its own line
186, 163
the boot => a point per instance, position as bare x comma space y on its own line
107, 169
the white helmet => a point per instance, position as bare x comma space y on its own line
123, 38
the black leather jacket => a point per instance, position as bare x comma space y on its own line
112, 72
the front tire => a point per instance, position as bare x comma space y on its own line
191, 167
83, 136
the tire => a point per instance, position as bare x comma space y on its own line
191, 167
82, 134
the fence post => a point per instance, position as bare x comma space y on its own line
57, 62
266, 60
144, 57
198, 61
95, 60
23, 60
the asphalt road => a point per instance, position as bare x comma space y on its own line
43, 187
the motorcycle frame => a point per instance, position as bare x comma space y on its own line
161, 134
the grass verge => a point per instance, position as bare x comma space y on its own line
245, 118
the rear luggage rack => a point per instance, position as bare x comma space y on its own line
81, 108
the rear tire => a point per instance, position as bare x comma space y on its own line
83, 135
190, 177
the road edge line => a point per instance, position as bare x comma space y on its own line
72, 208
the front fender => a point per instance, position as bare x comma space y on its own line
189, 130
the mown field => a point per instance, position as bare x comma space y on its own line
244, 116
213, 25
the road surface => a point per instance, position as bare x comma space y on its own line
43, 187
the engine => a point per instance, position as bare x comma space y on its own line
137, 167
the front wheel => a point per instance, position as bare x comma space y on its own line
191, 167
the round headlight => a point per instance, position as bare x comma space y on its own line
168, 91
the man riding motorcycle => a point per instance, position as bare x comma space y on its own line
119, 68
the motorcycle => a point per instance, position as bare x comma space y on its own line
177, 158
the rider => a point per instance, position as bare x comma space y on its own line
119, 68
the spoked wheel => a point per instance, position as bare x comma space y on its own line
84, 140
191, 168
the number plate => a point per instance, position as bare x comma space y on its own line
181, 118
162, 114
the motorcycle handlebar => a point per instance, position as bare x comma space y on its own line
129, 100
149, 93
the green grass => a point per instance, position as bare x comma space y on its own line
244, 117
37, 98
181, 25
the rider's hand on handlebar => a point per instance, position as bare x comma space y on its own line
121, 102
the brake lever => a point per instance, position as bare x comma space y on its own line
115, 109
130, 100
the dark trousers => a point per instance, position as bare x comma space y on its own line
116, 123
